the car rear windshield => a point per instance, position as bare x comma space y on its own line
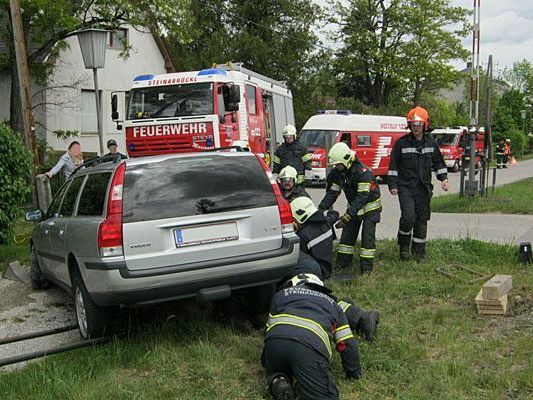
194, 185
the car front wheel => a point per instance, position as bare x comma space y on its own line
38, 281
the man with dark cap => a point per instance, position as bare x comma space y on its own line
113, 149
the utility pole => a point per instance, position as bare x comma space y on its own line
24, 84
471, 184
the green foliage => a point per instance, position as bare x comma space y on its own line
520, 76
442, 113
15, 167
397, 49
66, 134
507, 115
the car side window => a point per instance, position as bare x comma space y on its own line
92, 197
53, 209
67, 208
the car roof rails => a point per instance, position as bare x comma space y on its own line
93, 162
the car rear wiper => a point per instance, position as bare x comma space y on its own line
206, 206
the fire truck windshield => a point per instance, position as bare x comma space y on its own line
171, 101
312, 138
445, 139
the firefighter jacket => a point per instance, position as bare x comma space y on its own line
412, 161
293, 154
500, 149
297, 191
316, 239
314, 319
359, 186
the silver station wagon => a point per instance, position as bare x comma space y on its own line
154, 229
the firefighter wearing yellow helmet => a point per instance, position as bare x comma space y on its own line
413, 158
364, 206
288, 184
291, 153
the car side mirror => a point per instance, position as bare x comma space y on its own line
35, 215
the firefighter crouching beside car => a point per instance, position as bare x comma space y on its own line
364, 206
413, 158
303, 318
288, 184
292, 153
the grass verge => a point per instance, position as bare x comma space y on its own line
19, 247
431, 344
513, 198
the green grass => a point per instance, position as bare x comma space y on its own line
18, 249
513, 198
431, 344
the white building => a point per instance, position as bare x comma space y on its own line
68, 102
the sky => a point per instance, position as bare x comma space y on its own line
506, 30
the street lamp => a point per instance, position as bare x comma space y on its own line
93, 44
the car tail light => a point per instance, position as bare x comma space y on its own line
110, 229
284, 208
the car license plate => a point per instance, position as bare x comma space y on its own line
205, 234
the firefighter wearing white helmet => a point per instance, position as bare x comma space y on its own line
291, 153
288, 184
364, 206
303, 319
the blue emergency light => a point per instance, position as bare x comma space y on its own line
144, 78
341, 112
212, 71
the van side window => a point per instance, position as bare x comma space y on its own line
67, 208
93, 195
347, 138
363, 141
250, 96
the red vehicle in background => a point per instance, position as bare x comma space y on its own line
371, 136
453, 142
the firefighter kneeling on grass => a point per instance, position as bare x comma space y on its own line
364, 206
303, 317
292, 153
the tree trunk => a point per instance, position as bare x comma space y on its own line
15, 109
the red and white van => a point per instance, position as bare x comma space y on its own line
371, 136
200, 110
452, 143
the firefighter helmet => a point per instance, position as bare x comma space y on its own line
340, 153
289, 130
507, 140
417, 115
288, 172
302, 208
306, 279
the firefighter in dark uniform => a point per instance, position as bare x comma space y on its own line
288, 184
292, 153
500, 154
315, 229
364, 206
303, 319
413, 158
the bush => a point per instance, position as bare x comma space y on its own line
15, 165
518, 140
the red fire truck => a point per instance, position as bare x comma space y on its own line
200, 110
452, 143
371, 136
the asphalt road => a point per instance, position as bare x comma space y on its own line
499, 228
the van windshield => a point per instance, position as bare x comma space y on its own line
317, 138
445, 139
171, 101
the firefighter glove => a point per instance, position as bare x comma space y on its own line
345, 219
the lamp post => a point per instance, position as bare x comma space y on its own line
523, 114
93, 43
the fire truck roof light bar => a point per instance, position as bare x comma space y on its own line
213, 71
342, 112
144, 77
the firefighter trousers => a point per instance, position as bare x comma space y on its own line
308, 367
346, 246
415, 214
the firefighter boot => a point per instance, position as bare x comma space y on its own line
404, 253
367, 325
419, 251
280, 388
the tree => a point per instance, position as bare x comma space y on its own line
398, 48
47, 23
520, 76
507, 115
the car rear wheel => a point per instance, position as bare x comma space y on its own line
38, 281
93, 321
